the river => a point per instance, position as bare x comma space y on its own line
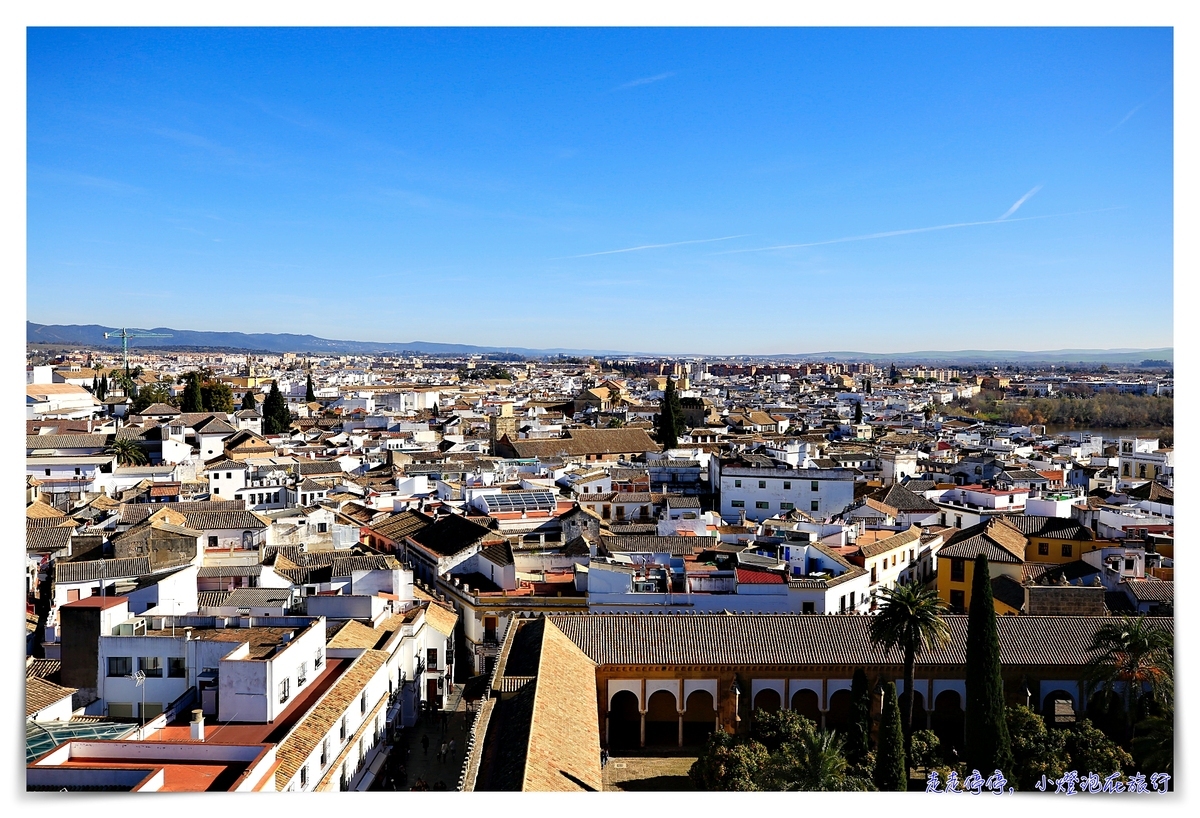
1109, 433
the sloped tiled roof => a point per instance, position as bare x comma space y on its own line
1151, 590
88, 570
320, 721
47, 538
637, 543
797, 639
994, 539
441, 619
38, 510
898, 540
450, 534
1032, 525
40, 694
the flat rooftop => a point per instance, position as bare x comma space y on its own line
264, 641
238, 732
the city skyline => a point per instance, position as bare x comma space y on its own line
617, 189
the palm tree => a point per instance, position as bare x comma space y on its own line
1154, 749
911, 619
127, 452
1140, 657
825, 768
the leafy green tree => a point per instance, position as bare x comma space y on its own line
151, 394
217, 396
276, 417
670, 417
1154, 746
1036, 750
248, 401
728, 764
309, 395
128, 452
1091, 751
926, 749
911, 619
784, 752
858, 734
891, 767
987, 742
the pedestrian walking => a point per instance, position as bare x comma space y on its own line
443, 753
425, 745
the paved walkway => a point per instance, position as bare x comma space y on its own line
425, 765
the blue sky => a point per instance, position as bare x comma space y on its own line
765, 190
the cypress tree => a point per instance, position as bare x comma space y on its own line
248, 401
891, 769
276, 417
670, 417
858, 412
309, 395
987, 745
191, 400
858, 741
103, 387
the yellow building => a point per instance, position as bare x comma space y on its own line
1002, 544
1054, 539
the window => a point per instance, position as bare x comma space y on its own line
893, 560
1124, 470
120, 665
151, 666
912, 555
304, 776
342, 729
285, 690
431, 658
762, 484
762, 504
212, 542
301, 673
151, 709
738, 503
786, 506
47, 472
1066, 549
808, 607
787, 484
843, 606
1129, 564
958, 521
228, 475
216, 489
1011, 499
322, 528
874, 577
816, 485
957, 600
815, 505
120, 710
176, 667
1044, 549
318, 659
324, 753
958, 571
362, 702
737, 484
852, 602
1141, 470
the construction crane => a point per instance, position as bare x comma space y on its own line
125, 335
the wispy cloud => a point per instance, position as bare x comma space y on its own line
1019, 202
646, 80
651, 247
86, 180
910, 231
1134, 110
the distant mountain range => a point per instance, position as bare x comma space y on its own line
92, 335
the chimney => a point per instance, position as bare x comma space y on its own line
197, 725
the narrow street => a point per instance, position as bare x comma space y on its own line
421, 765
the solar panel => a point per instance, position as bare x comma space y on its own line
520, 501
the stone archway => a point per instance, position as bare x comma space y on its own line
624, 722
838, 717
948, 720
662, 719
699, 718
1057, 715
808, 704
920, 718
767, 699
